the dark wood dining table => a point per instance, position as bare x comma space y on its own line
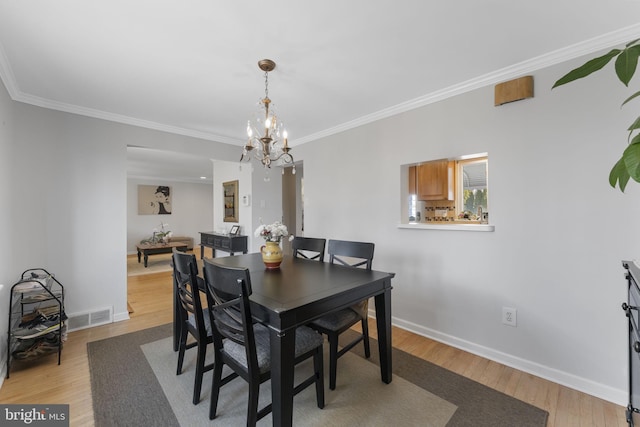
300, 291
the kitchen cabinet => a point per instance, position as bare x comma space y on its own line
435, 180
412, 180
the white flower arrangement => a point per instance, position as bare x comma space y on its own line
159, 235
272, 232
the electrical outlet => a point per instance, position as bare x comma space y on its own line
509, 316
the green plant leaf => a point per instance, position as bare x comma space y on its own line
619, 175
626, 64
635, 125
587, 68
631, 157
632, 43
635, 95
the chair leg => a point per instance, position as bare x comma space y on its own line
318, 367
177, 319
252, 410
215, 389
197, 386
333, 360
365, 334
181, 349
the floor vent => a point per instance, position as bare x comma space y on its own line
87, 320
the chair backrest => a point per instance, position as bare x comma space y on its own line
181, 262
228, 290
308, 248
185, 279
351, 254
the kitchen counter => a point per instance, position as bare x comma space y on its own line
449, 225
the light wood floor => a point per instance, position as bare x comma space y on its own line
150, 298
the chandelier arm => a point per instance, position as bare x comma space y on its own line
286, 158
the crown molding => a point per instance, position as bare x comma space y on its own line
119, 118
8, 78
6, 74
577, 50
552, 58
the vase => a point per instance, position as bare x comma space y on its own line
271, 255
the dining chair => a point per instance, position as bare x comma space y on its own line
351, 254
193, 319
177, 319
308, 248
244, 346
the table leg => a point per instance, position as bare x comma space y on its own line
282, 368
146, 259
383, 320
139, 256
201, 251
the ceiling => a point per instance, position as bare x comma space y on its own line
190, 67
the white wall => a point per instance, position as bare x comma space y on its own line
266, 202
192, 211
265, 199
560, 230
68, 208
65, 190
7, 272
231, 171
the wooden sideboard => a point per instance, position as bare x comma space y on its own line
222, 242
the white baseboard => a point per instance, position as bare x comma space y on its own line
602, 391
119, 317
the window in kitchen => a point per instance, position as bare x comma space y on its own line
472, 191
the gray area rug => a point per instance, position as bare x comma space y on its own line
360, 398
127, 391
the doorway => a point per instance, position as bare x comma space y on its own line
292, 203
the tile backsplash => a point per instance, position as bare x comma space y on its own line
439, 211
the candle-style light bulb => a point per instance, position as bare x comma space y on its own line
249, 131
284, 135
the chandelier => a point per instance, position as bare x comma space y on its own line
265, 131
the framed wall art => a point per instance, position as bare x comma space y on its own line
154, 200
230, 201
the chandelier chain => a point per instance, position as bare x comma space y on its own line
266, 84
